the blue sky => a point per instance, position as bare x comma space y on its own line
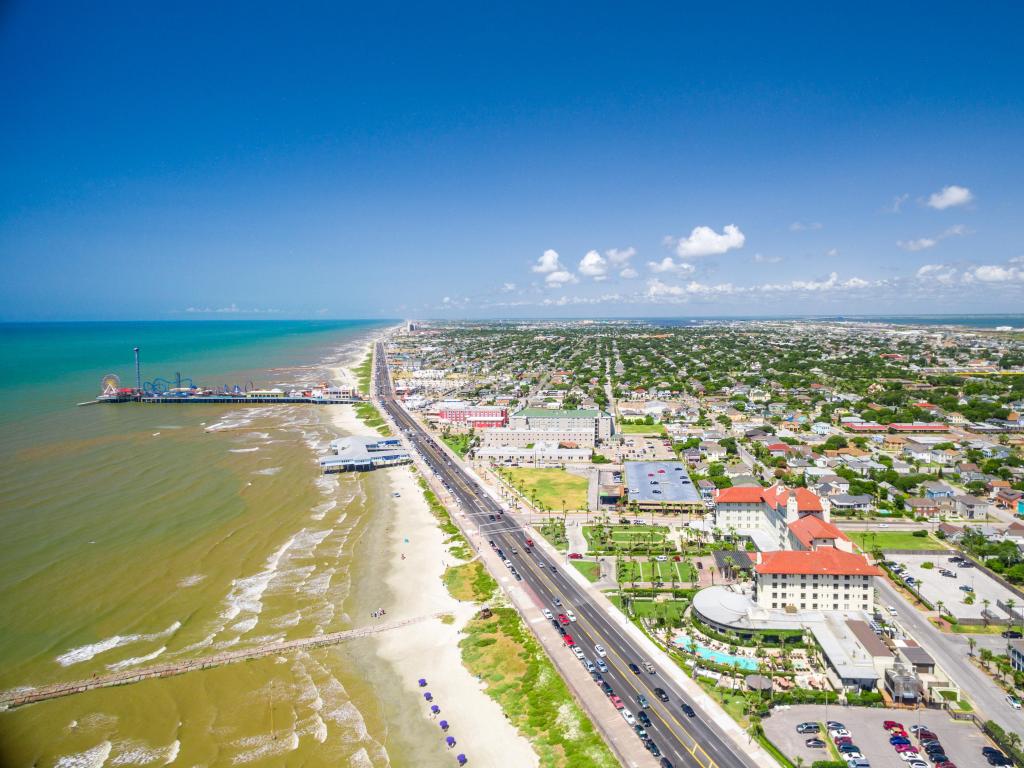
247, 160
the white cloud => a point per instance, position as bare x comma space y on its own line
923, 243
760, 258
548, 262
594, 265
628, 273
800, 226
832, 252
508, 287
950, 196
231, 309
668, 264
704, 241
897, 203
560, 277
943, 274
994, 273
831, 283
620, 256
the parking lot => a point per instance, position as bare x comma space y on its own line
938, 587
961, 738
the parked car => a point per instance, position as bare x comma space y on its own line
627, 716
616, 701
608, 690
652, 748
666, 763
1013, 701
601, 666
808, 728
834, 725
563, 619
575, 556
578, 651
567, 639
815, 744
644, 718
547, 614
890, 724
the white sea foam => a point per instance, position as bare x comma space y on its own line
134, 752
94, 757
246, 625
118, 665
263, 747
360, 759
247, 593
243, 450
191, 581
172, 752
268, 471
86, 652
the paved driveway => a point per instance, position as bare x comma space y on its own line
961, 739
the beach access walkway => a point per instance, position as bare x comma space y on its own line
21, 696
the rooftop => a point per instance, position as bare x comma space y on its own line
557, 413
820, 561
660, 481
811, 527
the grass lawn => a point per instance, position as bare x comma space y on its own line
870, 540
731, 702
591, 571
370, 416
651, 570
554, 532
363, 372
642, 429
623, 537
520, 677
671, 610
551, 486
458, 443
991, 629
470, 582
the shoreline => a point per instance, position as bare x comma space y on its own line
431, 649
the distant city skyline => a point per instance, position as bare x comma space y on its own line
195, 162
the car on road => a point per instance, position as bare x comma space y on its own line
616, 701
1012, 634
627, 716
547, 614
648, 667
815, 744
660, 693
571, 615
556, 602
602, 666
808, 728
634, 669
563, 619
687, 710
1013, 701
643, 701
644, 718
665, 763
600, 651
575, 556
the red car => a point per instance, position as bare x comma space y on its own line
575, 556
569, 641
906, 748
563, 619
890, 724
840, 740
899, 732
617, 702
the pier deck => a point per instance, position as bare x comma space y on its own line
22, 696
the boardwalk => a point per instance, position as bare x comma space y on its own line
20, 697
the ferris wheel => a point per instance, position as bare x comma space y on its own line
111, 384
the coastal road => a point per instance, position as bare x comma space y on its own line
695, 741
950, 652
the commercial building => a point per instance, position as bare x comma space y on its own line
662, 486
507, 437
360, 454
811, 532
764, 514
540, 455
562, 420
474, 416
825, 579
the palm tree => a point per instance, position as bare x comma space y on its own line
1013, 739
985, 604
971, 644
1010, 605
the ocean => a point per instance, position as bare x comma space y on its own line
139, 534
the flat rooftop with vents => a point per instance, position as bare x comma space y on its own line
662, 486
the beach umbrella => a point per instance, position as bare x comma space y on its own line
428, 696
461, 758
423, 682
444, 725
450, 740
435, 709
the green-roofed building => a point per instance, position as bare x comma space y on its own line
563, 420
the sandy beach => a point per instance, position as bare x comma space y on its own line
430, 649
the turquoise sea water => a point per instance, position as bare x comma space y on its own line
138, 534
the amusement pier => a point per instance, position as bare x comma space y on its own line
182, 390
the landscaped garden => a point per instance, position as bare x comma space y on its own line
616, 539
652, 571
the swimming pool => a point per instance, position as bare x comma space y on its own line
719, 657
